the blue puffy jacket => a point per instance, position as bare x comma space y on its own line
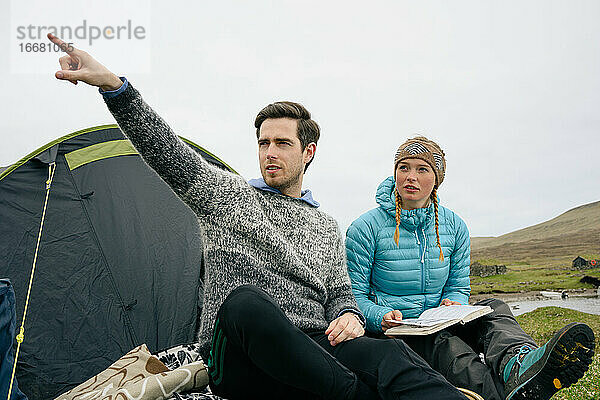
408, 277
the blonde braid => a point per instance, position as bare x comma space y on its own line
398, 216
437, 223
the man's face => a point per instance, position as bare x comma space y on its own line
281, 156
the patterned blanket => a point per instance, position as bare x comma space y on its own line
140, 375
179, 356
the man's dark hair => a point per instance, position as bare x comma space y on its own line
308, 130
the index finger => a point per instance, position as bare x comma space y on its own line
338, 329
64, 46
343, 335
331, 326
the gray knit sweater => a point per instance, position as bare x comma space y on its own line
281, 244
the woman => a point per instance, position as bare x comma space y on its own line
411, 254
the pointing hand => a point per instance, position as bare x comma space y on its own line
78, 65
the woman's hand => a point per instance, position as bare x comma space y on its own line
448, 302
387, 323
78, 65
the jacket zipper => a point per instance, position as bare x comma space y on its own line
423, 265
424, 247
422, 262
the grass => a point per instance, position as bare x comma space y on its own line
542, 323
527, 277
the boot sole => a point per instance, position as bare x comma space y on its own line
567, 357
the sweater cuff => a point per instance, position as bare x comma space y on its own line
109, 94
123, 100
354, 311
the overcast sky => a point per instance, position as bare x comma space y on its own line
510, 90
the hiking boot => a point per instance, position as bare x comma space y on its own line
536, 374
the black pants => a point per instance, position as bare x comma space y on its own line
257, 353
454, 352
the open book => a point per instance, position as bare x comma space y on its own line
436, 319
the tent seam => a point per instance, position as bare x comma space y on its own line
45, 147
105, 261
61, 139
187, 141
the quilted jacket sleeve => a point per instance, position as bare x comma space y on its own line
458, 285
360, 252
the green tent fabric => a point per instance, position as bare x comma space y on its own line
119, 263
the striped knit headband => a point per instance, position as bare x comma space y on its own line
424, 149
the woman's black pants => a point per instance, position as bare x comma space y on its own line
257, 353
454, 352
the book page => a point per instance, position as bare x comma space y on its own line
438, 315
421, 322
449, 312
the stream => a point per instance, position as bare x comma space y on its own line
590, 305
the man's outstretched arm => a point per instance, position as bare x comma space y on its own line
177, 164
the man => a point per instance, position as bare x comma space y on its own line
279, 319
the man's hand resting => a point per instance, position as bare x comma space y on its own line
78, 65
345, 327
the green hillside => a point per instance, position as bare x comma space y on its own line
554, 242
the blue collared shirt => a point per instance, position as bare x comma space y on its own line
261, 184
109, 94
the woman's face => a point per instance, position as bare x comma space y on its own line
415, 180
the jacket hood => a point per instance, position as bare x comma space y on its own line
410, 219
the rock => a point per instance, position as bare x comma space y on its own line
478, 269
590, 280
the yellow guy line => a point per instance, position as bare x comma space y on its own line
21, 335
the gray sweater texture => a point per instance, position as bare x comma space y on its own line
281, 244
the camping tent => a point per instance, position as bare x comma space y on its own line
119, 260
